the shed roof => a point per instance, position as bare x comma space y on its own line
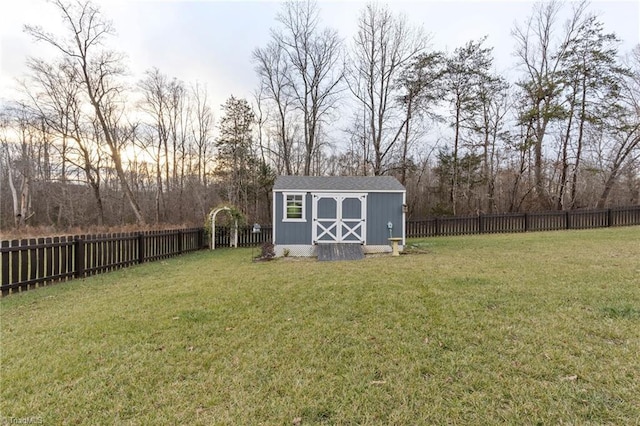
337, 183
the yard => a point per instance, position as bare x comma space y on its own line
539, 328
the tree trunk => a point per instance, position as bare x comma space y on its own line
574, 180
14, 195
405, 145
565, 159
115, 153
454, 163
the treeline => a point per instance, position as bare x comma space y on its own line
85, 146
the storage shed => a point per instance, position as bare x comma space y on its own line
313, 210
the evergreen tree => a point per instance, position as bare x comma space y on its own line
591, 76
236, 160
467, 71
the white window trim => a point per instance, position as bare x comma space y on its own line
284, 207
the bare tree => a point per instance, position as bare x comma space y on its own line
623, 128
265, 176
55, 94
273, 70
17, 136
384, 44
156, 103
98, 70
201, 130
495, 107
179, 113
302, 68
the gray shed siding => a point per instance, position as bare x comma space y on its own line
292, 232
359, 223
382, 208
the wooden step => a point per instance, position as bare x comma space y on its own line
338, 251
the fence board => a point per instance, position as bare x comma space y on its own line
90, 255
133, 249
48, 254
15, 262
24, 263
4, 263
33, 259
63, 259
41, 260
108, 250
125, 260
99, 253
55, 258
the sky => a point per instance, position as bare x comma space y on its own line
211, 41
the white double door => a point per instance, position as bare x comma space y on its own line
339, 218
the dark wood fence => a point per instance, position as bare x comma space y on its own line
246, 236
523, 222
30, 263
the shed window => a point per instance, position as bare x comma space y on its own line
294, 207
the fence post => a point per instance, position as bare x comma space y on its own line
140, 247
437, 227
179, 241
481, 223
79, 257
526, 222
567, 221
4, 279
609, 218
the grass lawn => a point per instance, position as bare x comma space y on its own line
539, 328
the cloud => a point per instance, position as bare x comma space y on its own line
212, 41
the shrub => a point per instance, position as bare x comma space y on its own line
268, 251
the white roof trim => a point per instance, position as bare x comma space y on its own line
340, 191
